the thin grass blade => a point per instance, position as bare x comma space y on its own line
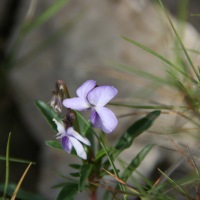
179, 39
159, 56
135, 163
17, 160
7, 165
46, 15
20, 182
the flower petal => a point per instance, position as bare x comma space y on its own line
76, 103
66, 144
108, 119
78, 147
85, 88
60, 127
95, 119
101, 95
72, 132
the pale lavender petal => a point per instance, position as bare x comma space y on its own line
72, 132
60, 127
78, 147
108, 119
95, 119
85, 88
66, 144
76, 103
101, 95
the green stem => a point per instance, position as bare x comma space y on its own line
112, 164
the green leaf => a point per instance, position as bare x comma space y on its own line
136, 129
75, 166
84, 174
54, 144
136, 162
68, 192
75, 174
102, 153
22, 194
46, 15
48, 113
132, 132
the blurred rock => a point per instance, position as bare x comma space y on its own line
87, 51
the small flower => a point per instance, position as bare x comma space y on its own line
70, 138
95, 98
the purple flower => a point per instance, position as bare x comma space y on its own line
70, 138
95, 98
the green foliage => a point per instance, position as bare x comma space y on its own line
85, 172
135, 130
179, 40
85, 129
16, 160
136, 162
48, 113
68, 191
46, 15
101, 154
22, 194
13, 190
168, 62
54, 144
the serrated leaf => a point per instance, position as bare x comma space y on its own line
136, 162
48, 113
54, 144
136, 129
68, 192
84, 174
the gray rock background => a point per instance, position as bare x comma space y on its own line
86, 51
